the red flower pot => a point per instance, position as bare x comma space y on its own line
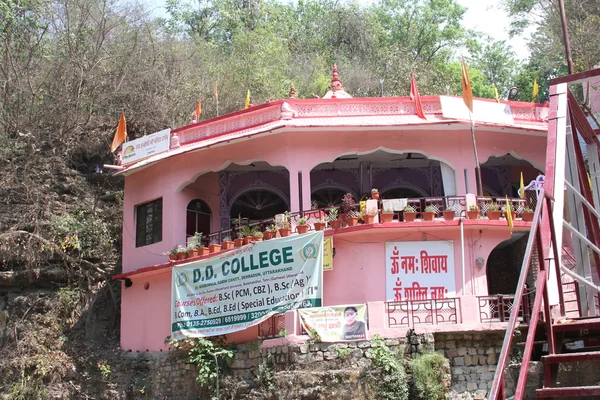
320, 226
302, 228
352, 221
337, 224
284, 232
387, 217
239, 242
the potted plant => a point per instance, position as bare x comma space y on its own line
333, 218
375, 194
192, 248
409, 214
246, 234
494, 212
352, 218
284, 228
214, 246
429, 213
369, 216
181, 252
527, 214
301, 226
270, 232
172, 254
473, 212
387, 215
227, 243
449, 215
239, 240
320, 224
348, 205
257, 235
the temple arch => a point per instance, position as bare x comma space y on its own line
198, 217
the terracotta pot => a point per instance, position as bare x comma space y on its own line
302, 228
173, 257
181, 256
336, 224
204, 251
193, 253
368, 219
527, 216
409, 216
513, 215
247, 239
387, 217
473, 214
320, 226
352, 221
258, 238
227, 245
267, 235
215, 248
494, 215
239, 242
375, 196
428, 215
284, 232
449, 215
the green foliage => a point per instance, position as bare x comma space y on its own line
264, 376
87, 233
428, 374
28, 388
342, 352
392, 384
104, 368
68, 299
201, 353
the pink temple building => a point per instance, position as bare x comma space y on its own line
303, 156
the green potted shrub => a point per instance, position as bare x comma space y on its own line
493, 211
369, 216
192, 248
387, 215
527, 214
214, 246
270, 232
227, 243
473, 212
409, 214
321, 224
284, 226
172, 254
246, 232
301, 225
334, 222
429, 213
257, 235
375, 194
181, 252
352, 218
239, 240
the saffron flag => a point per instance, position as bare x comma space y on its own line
120, 134
497, 96
522, 188
536, 90
198, 110
247, 104
509, 215
216, 90
415, 96
467, 93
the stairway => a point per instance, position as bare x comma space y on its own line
586, 331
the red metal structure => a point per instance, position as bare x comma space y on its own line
570, 199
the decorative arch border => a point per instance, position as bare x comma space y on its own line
202, 200
410, 186
515, 155
263, 186
332, 185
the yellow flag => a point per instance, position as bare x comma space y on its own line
497, 96
522, 187
247, 100
467, 93
509, 215
590, 180
536, 90
120, 134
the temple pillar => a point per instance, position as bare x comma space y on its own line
306, 191
224, 211
294, 190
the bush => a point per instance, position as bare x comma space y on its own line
85, 232
392, 384
428, 374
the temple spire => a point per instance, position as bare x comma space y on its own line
336, 89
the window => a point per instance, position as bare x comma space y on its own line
198, 218
148, 227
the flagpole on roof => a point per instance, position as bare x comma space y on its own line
468, 99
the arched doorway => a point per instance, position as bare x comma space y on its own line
401, 193
198, 218
258, 204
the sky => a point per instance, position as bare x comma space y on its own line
482, 15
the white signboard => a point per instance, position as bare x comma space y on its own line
246, 286
419, 270
146, 146
483, 111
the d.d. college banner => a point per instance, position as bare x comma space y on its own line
244, 287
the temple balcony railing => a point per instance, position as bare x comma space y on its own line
439, 205
497, 308
411, 313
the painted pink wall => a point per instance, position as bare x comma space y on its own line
358, 277
300, 151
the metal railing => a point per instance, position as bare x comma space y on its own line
497, 308
423, 312
517, 205
272, 327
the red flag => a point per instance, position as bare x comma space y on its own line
120, 134
415, 96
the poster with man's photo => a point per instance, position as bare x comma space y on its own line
336, 324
